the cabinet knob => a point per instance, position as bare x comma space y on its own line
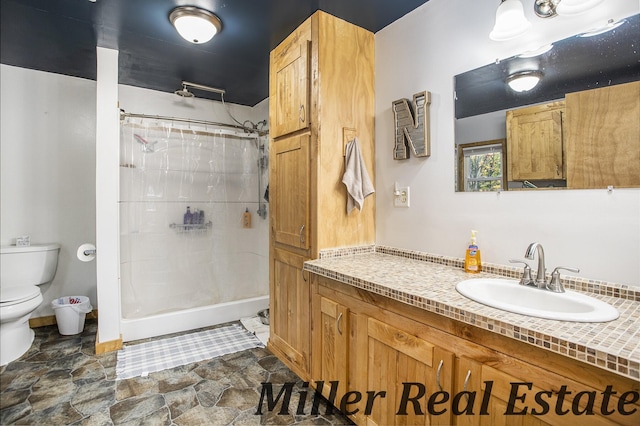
303, 116
338, 324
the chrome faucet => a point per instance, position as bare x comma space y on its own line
540, 281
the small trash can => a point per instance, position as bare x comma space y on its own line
71, 312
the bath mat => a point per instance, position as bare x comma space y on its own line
144, 358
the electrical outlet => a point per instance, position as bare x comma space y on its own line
401, 197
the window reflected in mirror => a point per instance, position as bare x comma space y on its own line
481, 166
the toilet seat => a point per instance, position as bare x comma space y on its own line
18, 294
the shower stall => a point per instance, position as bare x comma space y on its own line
187, 259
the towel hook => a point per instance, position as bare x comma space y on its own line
348, 134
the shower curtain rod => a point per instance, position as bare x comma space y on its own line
124, 114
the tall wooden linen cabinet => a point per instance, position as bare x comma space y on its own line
321, 94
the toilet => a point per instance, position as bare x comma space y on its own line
22, 269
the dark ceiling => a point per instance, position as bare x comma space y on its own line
60, 36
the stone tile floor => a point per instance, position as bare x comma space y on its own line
60, 381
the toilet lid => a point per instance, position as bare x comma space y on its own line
19, 293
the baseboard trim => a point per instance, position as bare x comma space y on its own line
100, 347
51, 319
109, 346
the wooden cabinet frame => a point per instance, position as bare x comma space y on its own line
493, 367
321, 82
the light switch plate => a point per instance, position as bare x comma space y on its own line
401, 197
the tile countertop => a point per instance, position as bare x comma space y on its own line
428, 282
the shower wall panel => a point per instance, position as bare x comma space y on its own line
166, 266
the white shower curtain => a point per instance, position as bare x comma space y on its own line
166, 265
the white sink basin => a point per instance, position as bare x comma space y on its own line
510, 296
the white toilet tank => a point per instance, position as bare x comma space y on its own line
32, 265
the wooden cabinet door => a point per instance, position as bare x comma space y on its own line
289, 78
535, 143
289, 304
396, 359
290, 191
517, 401
603, 137
330, 345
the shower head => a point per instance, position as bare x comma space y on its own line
184, 92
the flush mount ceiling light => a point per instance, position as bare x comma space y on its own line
524, 81
194, 24
510, 21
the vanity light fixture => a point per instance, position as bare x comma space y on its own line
524, 81
546, 8
510, 21
194, 24
575, 7
551, 8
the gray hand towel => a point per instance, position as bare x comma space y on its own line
355, 177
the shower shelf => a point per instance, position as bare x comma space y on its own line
191, 227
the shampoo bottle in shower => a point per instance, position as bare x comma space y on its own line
246, 219
188, 217
472, 262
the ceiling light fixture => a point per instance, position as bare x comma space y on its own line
194, 24
510, 21
524, 81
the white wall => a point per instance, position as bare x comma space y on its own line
590, 229
48, 171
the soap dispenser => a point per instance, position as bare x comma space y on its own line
472, 262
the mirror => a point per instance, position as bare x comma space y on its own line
580, 63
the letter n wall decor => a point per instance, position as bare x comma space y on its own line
412, 128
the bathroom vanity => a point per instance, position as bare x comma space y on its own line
393, 342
